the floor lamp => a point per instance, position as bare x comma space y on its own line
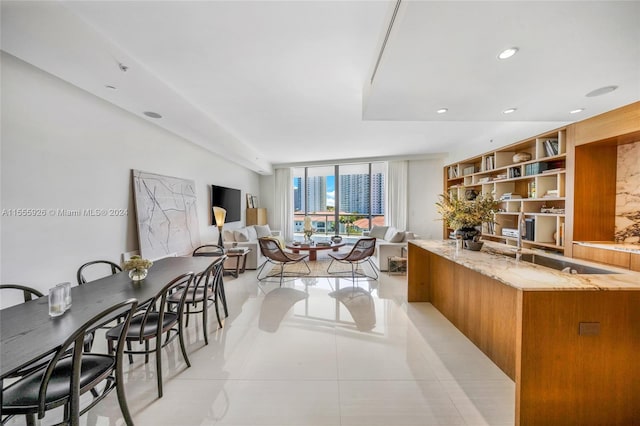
220, 214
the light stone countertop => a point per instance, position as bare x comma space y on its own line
527, 276
626, 247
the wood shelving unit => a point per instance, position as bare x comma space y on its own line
535, 187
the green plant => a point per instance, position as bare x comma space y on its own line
137, 263
458, 213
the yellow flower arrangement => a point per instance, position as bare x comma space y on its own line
459, 213
137, 263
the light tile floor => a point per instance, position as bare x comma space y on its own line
318, 352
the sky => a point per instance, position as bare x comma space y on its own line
331, 191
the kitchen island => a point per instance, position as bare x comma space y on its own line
571, 342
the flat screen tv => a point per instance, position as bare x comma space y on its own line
228, 199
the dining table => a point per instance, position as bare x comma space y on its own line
28, 333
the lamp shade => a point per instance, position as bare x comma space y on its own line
219, 213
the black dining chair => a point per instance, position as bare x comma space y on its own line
214, 250
28, 294
71, 373
155, 320
209, 250
360, 254
204, 291
99, 268
101, 265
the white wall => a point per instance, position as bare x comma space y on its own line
63, 148
425, 183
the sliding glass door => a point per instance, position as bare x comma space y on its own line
344, 199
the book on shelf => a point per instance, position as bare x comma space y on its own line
514, 172
489, 163
551, 147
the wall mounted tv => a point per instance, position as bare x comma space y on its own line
229, 199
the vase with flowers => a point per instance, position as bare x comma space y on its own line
138, 267
308, 230
466, 216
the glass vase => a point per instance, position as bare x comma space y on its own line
138, 274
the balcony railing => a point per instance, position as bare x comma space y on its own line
324, 224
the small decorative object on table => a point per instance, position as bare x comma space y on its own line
308, 230
336, 239
138, 267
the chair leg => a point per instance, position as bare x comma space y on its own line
129, 349
223, 297
281, 274
260, 271
215, 304
205, 320
31, 420
122, 398
146, 350
182, 345
158, 363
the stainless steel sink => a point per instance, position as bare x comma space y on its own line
560, 265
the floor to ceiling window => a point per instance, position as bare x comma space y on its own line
343, 199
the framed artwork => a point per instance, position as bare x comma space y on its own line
166, 215
250, 201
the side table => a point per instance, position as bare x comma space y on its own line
398, 264
240, 256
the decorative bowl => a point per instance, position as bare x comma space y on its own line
521, 156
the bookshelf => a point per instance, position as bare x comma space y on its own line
535, 187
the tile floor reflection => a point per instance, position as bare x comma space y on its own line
318, 352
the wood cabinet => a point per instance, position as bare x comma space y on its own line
610, 257
256, 216
571, 352
529, 177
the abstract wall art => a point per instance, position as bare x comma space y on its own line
166, 215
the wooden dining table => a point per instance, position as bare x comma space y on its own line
28, 333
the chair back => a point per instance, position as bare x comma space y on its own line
159, 302
272, 250
115, 268
28, 293
207, 280
74, 345
212, 250
362, 249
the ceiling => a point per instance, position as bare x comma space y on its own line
267, 83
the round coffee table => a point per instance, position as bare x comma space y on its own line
313, 249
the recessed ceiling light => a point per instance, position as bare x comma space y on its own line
110, 87
442, 110
509, 110
577, 110
507, 53
601, 91
152, 114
